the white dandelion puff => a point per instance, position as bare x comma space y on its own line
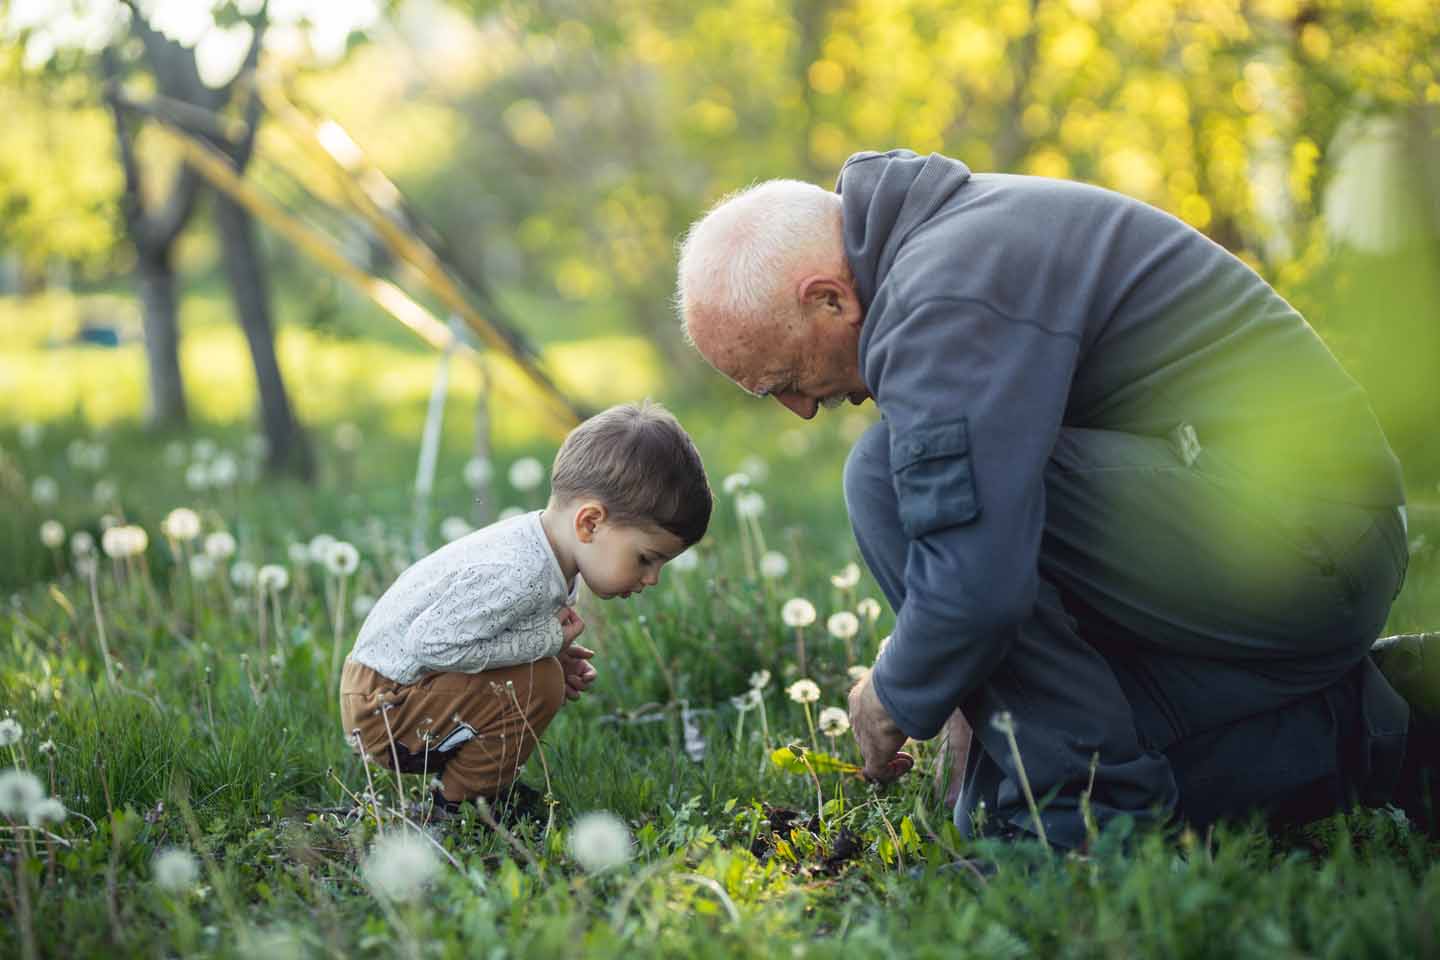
400, 866
857, 673
843, 625
774, 564
453, 528
526, 474
220, 545
203, 449
20, 790
755, 468
105, 491
10, 732
44, 491
242, 574
833, 721
847, 577
320, 545
734, 483
760, 679
343, 559
478, 472
182, 523
798, 612
750, 504
869, 608
599, 840
273, 577
175, 870
82, 543
52, 534
47, 811
747, 701
202, 567
224, 470
197, 477
803, 691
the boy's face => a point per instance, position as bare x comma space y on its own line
618, 560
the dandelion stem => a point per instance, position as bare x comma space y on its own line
1006, 725
339, 620
100, 627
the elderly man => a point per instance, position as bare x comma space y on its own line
1121, 496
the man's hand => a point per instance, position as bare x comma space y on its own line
879, 738
571, 626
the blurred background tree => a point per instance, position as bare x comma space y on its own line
562, 146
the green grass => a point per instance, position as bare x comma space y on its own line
205, 744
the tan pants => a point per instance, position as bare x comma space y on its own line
472, 730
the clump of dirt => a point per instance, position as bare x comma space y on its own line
834, 848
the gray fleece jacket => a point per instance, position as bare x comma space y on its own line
999, 309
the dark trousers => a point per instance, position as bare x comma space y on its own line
1205, 639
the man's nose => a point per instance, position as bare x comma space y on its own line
802, 406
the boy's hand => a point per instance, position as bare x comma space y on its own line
579, 671
571, 626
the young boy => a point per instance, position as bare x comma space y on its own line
466, 658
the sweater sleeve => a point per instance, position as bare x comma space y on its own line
973, 400
490, 615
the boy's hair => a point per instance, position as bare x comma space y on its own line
640, 463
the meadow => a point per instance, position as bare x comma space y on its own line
172, 689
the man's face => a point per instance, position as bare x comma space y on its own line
805, 361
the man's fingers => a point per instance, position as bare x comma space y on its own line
892, 769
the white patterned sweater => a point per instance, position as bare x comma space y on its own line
485, 601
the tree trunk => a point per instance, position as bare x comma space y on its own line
155, 280
249, 286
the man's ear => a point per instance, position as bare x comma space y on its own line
832, 295
588, 519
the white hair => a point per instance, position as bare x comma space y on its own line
739, 261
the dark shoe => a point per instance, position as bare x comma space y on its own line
515, 802
1412, 665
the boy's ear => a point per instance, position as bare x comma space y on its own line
588, 519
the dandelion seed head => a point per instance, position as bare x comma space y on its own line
747, 701
298, 554
857, 673
599, 841
10, 732
453, 528
869, 608
52, 534
197, 477
320, 545
755, 468
843, 625
182, 524
47, 811
760, 679
105, 491
272, 577
220, 545
44, 491
400, 866
224, 470
478, 473
526, 474
847, 577
774, 564
803, 691
175, 869
202, 567
798, 612
833, 721
342, 559
19, 791
47, 747
81, 543
203, 449
750, 504
126, 540
735, 483
242, 574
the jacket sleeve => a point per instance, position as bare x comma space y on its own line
489, 616
973, 400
